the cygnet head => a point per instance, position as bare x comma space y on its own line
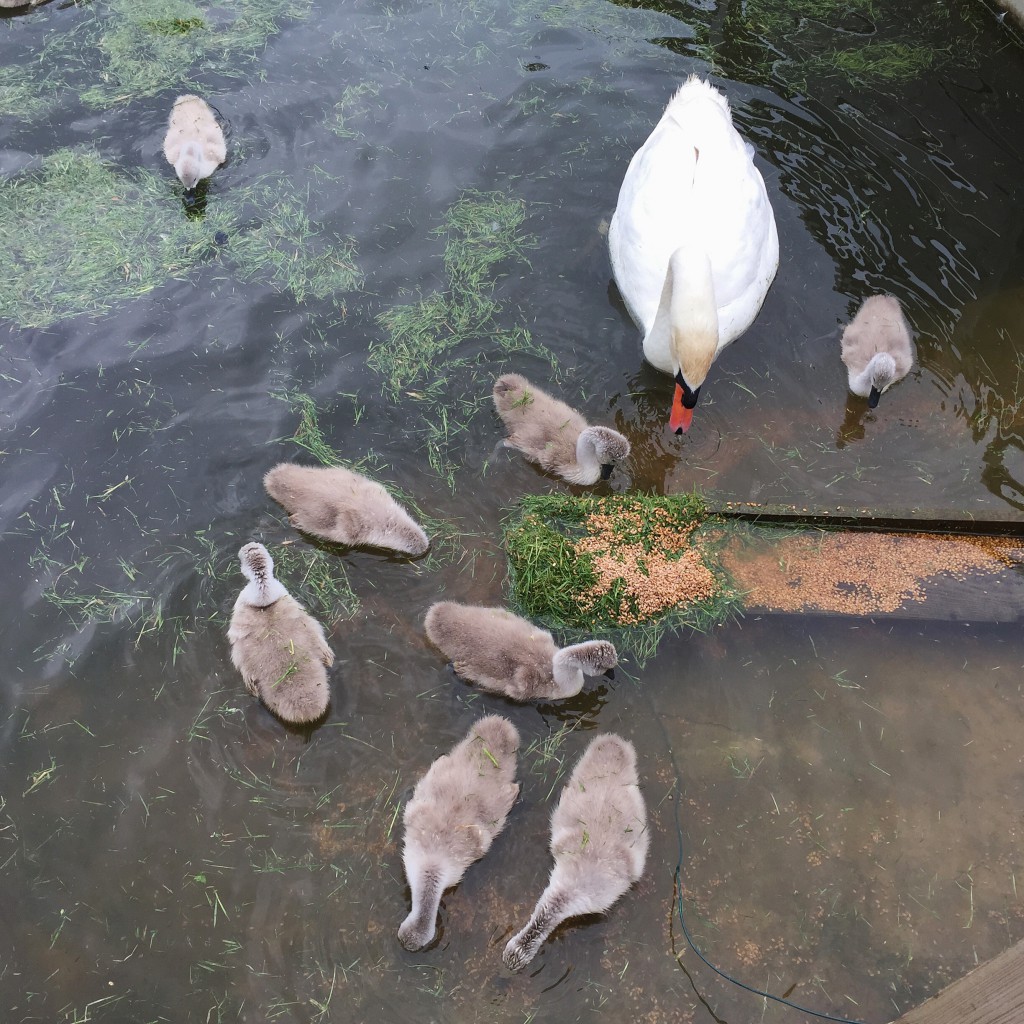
258, 567
609, 446
191, 165
882, 373
594, 657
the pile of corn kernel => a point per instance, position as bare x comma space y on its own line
663, 571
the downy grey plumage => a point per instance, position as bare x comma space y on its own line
455, 812
504, 653
279, 648
599, 840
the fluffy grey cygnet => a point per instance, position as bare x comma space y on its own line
554, 435
194, 144
455, 812
877, 347
279, 648
345, 507
599, 840
506, 654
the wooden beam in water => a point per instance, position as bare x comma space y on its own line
990, 994
851, 517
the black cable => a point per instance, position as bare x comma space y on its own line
678, 877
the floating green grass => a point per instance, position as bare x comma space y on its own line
308, 435
144, 47
317, 579
777, 18
21, 96
880, 62
354, 106
287, 251
553, 581
481, 231
78, 236
429, 340
861, 41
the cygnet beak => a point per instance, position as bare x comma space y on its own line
873, 397
606, 470
610, 674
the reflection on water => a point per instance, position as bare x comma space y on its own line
846, 791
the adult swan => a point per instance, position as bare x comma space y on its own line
693, 240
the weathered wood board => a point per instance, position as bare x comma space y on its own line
990, 994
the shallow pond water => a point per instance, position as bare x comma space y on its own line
847, 792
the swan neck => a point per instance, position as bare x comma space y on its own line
262, 593
588, 465
427, 887
567, 672
688, 312
552, 909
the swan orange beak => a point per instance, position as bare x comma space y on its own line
681, 418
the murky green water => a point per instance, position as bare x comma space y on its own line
849, 792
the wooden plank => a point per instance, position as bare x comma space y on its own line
990, 994
929, 520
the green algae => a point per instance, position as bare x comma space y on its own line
146, 46
78, 236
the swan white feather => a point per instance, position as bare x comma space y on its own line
693, 242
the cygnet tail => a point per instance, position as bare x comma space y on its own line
427, 884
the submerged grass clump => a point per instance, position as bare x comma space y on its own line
858, 40
481, 230
354, 105
885, 62
78, 236
620, 562
317, 579
427, 341
147, 46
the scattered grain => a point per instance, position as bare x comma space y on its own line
648, 561
857, 572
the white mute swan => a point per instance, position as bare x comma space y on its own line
345, 507
693, 241
554, 435
194, 145
877, 347
507, 654
599, 840
455, 812
279, 648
